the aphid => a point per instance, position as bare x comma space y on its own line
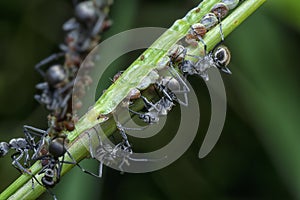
197, 30
117, 76
142, 57
176, 54
231, 4
133, 94
217, 12
220, 10
209, 20
148, 80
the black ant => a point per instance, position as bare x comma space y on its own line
113, 155
51, 153
89, 21
26, 148
168, 86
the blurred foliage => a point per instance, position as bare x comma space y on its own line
257, 156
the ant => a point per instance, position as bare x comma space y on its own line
26, 148
51, 153
56, 90
167, 86
89, 21
113, 155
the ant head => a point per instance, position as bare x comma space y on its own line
85, 13
4, 148
57, 147
222, 56
55, 75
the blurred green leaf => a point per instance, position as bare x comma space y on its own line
288, 11
267, 84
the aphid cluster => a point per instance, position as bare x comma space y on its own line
218, 57
167, 81
82, 34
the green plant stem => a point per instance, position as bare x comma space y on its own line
22, 187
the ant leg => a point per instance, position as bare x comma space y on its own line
77, 164
48, 190
221, 31
34, 131
144, 117
162, 88
98, 25
47, 60
149, 104
66, 87
185, 90
194, 56
30, 132
126, 145
27, 158
16, 157
100, 170
65, 99
92, 153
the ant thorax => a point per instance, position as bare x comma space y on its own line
203, 64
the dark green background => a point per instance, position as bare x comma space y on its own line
258, 154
